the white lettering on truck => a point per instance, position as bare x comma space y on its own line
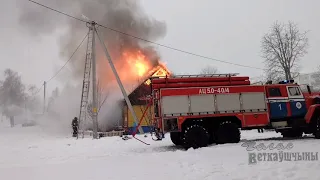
213, 90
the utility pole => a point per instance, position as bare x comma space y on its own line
44, 96
94, 85
25, 108
135, 118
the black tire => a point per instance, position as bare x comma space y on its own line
212, 138
176, 138
316, 100
317, 128
298, 134
228, 132
195, 136
292, 133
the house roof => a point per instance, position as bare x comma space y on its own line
159, 70
137, 95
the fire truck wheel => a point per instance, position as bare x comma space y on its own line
292, 133
316, 100
196, 136
228, 132
317, 130
176, 138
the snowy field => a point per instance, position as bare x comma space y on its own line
29, 153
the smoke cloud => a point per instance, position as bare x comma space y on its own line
124, 15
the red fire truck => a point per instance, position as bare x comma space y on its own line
199, 110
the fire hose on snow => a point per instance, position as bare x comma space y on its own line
133, 133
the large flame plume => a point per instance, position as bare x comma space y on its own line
133, 67
138, 61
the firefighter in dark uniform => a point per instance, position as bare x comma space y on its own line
75, 124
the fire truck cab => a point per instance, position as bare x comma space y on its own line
203, 109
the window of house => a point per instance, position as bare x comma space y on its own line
274, 92
294, 91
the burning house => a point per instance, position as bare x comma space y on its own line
139, 100
132, 57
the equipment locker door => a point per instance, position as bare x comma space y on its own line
296, 101
277, 103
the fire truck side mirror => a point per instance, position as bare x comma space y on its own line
309, 89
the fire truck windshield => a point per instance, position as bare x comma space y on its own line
304, 88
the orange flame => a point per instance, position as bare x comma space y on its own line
132, 67
138, 62
142, 69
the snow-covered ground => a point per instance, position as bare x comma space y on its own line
30, 153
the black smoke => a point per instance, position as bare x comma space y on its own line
124, 15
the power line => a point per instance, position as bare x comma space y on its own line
38, 90
68, 59
175, 49
57, 11
142, 39
62, 66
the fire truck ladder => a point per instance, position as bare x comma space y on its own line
198, 75
85, 85
205, 75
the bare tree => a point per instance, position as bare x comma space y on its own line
12, 89
209, 70
32, 101
274, 75
282, 49
54, 96
102, 97
12, 95
316, 79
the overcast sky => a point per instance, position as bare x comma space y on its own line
226, 30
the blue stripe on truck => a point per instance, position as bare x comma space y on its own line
146, 129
